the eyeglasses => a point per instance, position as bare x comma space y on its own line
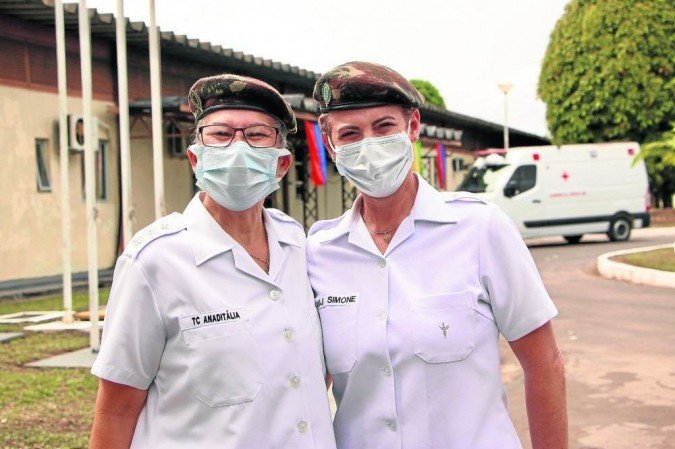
257, 136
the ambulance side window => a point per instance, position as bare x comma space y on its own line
522, 180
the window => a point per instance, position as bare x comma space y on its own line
100, 171
458, 164
522, 180
176, 139
44, 182
482, 179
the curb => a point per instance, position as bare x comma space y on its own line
637, 275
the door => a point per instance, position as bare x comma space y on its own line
524, 200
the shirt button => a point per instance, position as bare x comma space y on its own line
382, 263
387, 371
381, 315
302, 426
275, 294
392, 425
288, 334
295, 381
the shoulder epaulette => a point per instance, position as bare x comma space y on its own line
329, 226
449, 197
170, 224
280, 216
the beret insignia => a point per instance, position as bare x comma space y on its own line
196, 102
325, 92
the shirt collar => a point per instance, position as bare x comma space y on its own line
429, 206
205, 235
208, 239
277, 225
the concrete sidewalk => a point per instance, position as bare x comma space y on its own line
82, 358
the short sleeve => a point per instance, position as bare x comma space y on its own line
515, 291
133, 332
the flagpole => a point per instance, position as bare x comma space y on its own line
64, 161
123, 100
156, 111
89, 173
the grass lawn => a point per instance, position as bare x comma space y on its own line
44, 407
660, 259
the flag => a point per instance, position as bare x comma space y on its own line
317, 153
322, 151
440, 164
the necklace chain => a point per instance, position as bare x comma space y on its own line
386, 235
266, 261
375, 231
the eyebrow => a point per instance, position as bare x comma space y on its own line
347, 127
388, 117
379, 120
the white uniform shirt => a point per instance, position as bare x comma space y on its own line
411, 336
230, 355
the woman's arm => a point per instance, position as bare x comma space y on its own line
543, 366
115, 415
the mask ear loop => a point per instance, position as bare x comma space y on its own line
197, 169
281, 155
332, 147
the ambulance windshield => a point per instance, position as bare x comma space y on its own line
482, 179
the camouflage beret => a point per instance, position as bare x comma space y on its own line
228, 91
362, 85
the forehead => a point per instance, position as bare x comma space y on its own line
239, 118
364, 116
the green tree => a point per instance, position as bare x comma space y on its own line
659, 156
608, 71
430, 92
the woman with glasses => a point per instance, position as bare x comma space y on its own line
413, 291
211, 338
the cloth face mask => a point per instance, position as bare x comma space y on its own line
377, 166
237, 176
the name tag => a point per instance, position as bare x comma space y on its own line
210, 318
335, 300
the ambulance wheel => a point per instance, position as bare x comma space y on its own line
573, 239
619, 229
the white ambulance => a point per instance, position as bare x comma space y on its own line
569, 190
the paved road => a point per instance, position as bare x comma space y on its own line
618, 340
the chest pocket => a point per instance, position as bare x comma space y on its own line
444, 327
338, 324
224, 366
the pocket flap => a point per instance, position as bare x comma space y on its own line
444, 327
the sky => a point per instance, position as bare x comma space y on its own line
464, 47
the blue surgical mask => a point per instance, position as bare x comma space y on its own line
237, 176
377, 166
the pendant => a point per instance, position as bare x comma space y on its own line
387, 238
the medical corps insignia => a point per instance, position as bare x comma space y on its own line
326, 94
